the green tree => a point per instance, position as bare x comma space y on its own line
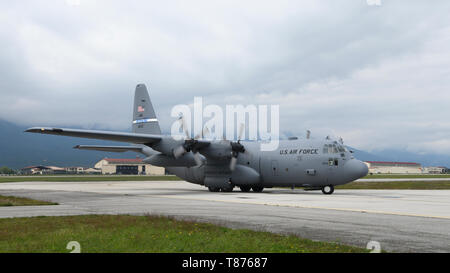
6, 170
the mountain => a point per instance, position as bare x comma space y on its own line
424, 159
403, 156
19, 149
365, 156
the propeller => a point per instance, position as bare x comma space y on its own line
182, 149
190, 144
236, 148
197, 158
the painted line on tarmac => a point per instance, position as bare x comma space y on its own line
308, 207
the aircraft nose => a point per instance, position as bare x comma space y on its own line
356, 169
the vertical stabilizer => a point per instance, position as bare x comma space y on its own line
144, 118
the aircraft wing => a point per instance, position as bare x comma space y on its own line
117, 149
104, 135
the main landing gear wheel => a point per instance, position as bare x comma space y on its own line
328, 189
245, 188
257, 189
213, 189
228, 188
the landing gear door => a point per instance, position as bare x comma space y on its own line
332, 165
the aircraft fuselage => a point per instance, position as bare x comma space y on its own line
302, 163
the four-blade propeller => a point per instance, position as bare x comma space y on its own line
190, 144
236, 148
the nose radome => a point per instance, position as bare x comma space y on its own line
356, 169
365, 169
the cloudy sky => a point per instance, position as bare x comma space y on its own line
379, 76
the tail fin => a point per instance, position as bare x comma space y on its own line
144, 118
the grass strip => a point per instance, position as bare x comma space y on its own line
8, 201
125, 233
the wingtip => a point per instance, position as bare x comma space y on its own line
32, 130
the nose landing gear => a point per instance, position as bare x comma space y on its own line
328, 189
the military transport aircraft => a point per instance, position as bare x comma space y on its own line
222, 165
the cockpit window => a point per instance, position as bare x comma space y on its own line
333, 162
332, 149
335, 150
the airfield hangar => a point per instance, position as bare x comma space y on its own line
383, 167
127, 166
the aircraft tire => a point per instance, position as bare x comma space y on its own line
245, 188
227, 189
257, 188
213, 189
328, 189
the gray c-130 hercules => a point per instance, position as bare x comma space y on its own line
221, 165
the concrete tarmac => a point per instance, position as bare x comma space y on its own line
400, 220
401, 179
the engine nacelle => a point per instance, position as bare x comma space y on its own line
217, 151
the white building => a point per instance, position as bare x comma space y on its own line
382, 167
82, 170
43, 170
435, 170
127, 166
90, 171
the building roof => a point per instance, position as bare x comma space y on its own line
123, 160
35, 167
54, 168
393, 163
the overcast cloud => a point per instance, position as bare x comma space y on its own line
378, 76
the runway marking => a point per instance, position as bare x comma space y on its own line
307, 207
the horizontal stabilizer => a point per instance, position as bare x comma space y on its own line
116, 149
104, 135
